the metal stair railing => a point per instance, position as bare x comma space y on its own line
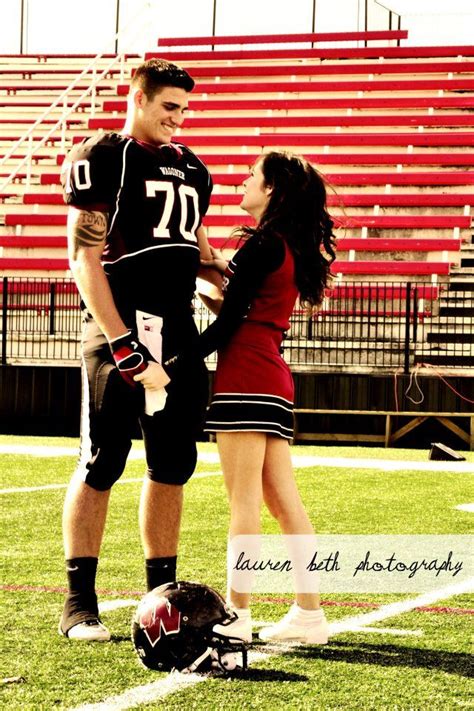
28, 136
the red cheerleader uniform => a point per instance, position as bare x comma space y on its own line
253, 386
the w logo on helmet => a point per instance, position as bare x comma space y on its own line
157, 615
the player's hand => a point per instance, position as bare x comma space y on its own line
154, 377
218, 260
219, 264
131, 357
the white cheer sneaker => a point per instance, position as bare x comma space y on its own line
240, 628
304, 626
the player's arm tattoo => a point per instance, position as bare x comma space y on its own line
87, 228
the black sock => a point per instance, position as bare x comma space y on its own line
81, 574
160, 571
81, 601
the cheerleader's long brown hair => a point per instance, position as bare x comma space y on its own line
297, 213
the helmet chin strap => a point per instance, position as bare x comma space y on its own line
197, 662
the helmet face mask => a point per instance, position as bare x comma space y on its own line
173, 629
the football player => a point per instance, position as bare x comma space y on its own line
135, 239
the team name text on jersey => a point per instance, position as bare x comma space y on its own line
172, 171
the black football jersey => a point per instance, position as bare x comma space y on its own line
155, 198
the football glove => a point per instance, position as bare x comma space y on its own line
131, 357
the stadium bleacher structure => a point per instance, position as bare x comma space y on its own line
390, 126
388, 134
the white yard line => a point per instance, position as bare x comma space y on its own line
385, 464
351, 624
174, 682
299, 461
148, 693
465, 507
390, 631
26, 489
112, 605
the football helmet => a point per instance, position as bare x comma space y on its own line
173, 629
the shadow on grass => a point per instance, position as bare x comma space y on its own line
252, 674
388, 655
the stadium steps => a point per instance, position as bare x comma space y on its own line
414, 103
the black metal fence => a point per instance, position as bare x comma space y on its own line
361, 326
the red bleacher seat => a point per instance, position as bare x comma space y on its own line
406, 178
431, 222
348, 200
32, 119
323, 159
29, 71
390, 87
371, 221
54, 242
285, 38
54, 88
36, 103
343, 158
385, 102
29, 219
434, 67
318, 53
285, 140
27, 264
377, 244
399, 268
401, 85
371, 199
463, 119
449, 138
41, 57
380, 291
386, 268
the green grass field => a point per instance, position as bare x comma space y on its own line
354, 671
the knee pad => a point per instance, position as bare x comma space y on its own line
174, 470
170, 477
104, 468
101, 482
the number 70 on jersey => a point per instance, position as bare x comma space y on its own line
187, 196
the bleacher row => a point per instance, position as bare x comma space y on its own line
390, 126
